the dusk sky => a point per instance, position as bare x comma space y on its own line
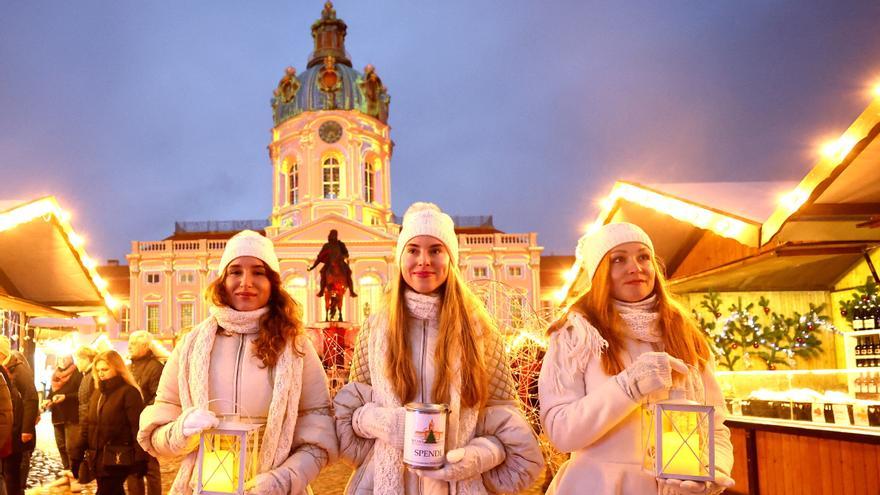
138, 114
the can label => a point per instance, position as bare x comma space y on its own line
424, 438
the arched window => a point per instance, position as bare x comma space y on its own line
369, 295
293, 180
369, 176
331, 177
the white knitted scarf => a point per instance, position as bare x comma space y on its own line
192, 382
640, 319
461, 423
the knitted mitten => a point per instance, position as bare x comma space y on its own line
480, 455
384, 423
650, 372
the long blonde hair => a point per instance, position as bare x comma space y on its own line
114, 360
462, 317
679, 332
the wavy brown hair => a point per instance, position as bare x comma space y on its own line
680, 336
280, 325
462, 316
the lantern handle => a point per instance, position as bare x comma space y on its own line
688, 387
235, 407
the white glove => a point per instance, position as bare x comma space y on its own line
480, 455
198, 421
650, 372
384, 423
679, 487
261, 484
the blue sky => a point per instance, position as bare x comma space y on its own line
137, 114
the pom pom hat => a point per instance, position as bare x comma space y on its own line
592, 247
427, 219
249, 243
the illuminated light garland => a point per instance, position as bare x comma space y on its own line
47, 208
698, 216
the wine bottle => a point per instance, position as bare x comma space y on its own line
868, 316
857, 322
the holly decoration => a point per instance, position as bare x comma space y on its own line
777, 339
862, 294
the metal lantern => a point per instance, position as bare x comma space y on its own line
679, 440
228, 458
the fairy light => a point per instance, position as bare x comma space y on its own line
47, 208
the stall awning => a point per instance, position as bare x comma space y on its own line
10, 303
42, 260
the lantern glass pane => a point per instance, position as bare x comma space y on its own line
228, 460
677, 441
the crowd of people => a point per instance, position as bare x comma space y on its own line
625, 342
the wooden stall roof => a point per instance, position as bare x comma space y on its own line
794, 235
42, 260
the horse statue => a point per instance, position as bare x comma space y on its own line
335, 275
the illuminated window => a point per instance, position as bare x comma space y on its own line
515, 271
294, 184
331, 177
186, 315
186, 277
481, 272
125, 319
153, 318
369, 188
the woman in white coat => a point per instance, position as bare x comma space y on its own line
249, 361
625, 340
433, 342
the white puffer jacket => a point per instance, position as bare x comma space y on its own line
585, 411
239, 383
501, 418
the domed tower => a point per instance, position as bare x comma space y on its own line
330, 149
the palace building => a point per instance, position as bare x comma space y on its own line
331, 157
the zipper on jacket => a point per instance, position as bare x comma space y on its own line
237, 384
424, 351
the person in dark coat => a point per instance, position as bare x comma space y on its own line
6, 413
17, 465
111, 425
83, 358
63, 401
147, 370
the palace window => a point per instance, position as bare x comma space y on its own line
153, 318
293, 177
152, 278
481, 272
186, 277
186, 316
125, 319
331, 177
515, 271
369, 188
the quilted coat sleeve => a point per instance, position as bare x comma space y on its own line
314, 438
354, 449
714, 397
161, 423
572, 418
503, 419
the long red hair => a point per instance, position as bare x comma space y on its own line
280, 325
462, 315
680, 335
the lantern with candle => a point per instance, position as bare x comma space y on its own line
678, 438
228, 457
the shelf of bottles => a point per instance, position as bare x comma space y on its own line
866, 332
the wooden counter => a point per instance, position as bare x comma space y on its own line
774, 456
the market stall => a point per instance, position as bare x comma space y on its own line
780, 277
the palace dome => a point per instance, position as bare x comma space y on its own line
329, 81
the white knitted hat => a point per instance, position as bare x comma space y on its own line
592, 247
427, 219
249, 243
